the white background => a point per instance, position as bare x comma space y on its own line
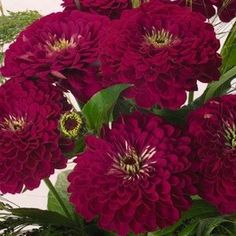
43, 6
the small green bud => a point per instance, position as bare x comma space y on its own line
72, 124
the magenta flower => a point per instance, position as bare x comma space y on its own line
57, 46
29, 137
213, 130
163, 50
135, 178
110, 8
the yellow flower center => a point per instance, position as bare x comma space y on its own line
130, 163
230, 135
13, 123
58, 45
159, 38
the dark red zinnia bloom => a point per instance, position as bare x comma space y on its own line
163, 50
226, 10
110, 8
29, 135
57, 46
213, 130
135, 178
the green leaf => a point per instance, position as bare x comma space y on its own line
53, 230
123, 106
42, 217
208, 226
189, 230
217, 85
61, 187
228, 51
98, 110
200, 209
177, 117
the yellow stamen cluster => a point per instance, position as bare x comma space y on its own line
13, 123
159, 38
230, 135
58, 45
130, 162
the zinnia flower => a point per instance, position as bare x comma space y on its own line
57, 47
135, 178
213, 130
29, 137
226, 9
110, 8
163, 50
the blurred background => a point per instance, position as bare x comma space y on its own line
43, 6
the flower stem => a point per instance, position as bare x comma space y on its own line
1, 8
190, 97
57, 196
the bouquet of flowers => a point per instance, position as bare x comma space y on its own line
150, 157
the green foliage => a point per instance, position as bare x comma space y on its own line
99, 109
228, 69
189, 220
228, 51
175, 117
220, 87
14, 220
136, 3
61, 187
201, 220
52, 230
15, 22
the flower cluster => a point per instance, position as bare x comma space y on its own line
140, 155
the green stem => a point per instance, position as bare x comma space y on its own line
1, 8
190, 97
57, 196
